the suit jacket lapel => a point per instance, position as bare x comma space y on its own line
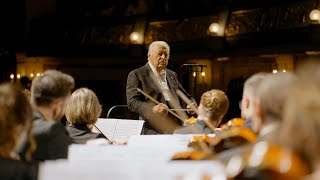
153, 87
170, 79
147, 70
172, 83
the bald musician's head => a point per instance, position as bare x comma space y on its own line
213, 106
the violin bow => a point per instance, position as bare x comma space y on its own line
179, 109
157, 102
109, 141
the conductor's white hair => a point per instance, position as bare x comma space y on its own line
155, 44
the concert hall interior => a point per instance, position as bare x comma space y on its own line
213, 44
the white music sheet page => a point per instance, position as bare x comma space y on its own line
127, 128
119, 129
107, 126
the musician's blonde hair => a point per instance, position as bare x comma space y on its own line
83, 107
217, 102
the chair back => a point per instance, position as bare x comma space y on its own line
121, 112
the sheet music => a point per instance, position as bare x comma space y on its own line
119, 129
127, 128
107, 126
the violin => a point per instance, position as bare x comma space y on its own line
231, 134
226, 139
193, 155
235, 122
267, 161
217, 143
232, 131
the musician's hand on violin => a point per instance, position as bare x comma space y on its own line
190, 109
160, 109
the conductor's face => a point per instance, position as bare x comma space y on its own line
159, 57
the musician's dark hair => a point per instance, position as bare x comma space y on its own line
51, 85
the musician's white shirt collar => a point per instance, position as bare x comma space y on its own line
162, 78
162, 73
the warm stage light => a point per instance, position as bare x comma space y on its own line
203, 73
274, 71
31, 75
214, 27
11, 76
134, 37
315, 15
194, 74
18, 76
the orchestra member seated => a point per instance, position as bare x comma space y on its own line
248, 95
269, 103
15, 125
213, 106
49, 96
82, 112
269, 100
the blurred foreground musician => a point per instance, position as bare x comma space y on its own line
268, 103
15, 125
300, 128
50, 94
248, 96
158, 121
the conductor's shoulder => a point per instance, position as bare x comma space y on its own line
170, 71
140, 69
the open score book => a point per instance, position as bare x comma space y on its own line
119, 129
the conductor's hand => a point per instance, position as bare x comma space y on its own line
190, 108
160, 109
